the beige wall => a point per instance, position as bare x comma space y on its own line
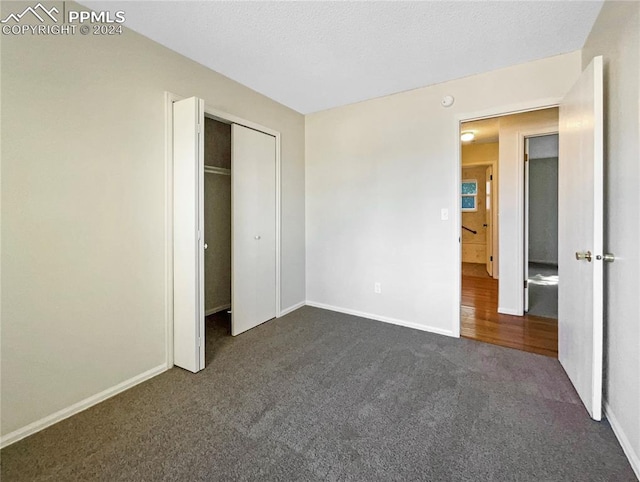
616, 36
513, 128
378, 175
476, 153
83, 210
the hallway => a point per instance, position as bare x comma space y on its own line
481, 321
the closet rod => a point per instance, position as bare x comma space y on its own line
217, 170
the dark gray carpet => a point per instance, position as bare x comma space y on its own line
318, 395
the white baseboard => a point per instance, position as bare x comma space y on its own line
78, 407
216, 309
286, 311
634, 458
509, 311
385, 319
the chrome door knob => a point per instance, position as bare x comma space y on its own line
206, 245
586, 255
256, 237
608, 257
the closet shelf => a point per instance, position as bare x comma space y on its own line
217, 170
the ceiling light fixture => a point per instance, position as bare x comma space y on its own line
467, 136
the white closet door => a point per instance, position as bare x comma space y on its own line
253, 206
188, 245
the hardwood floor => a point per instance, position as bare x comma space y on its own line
481, 321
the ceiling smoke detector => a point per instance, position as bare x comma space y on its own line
447, 101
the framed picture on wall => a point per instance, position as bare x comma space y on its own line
469, 192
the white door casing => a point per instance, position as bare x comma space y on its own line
188, 243
525, 249
489, 219
580, 230
253, 205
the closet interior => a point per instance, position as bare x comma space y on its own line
217, 216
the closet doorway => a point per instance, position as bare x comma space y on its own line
217, 216
225, 219
541, 226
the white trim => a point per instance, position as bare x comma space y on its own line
227, 118
456, 235
598, 180
634, 458
278, 224
78, 407
217, 170
523, 163
200, 225
170, 98
292, 308
508, 109
216, 309
509, 311
385, 319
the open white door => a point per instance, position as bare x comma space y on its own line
253, 206
488, 220
188, 243
580, 208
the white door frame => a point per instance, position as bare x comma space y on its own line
227, 118
496, 111
495, 200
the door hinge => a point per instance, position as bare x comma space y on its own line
199, 128
526, 157
490, 258
526, 283
491, 177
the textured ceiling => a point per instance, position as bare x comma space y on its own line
313, 56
